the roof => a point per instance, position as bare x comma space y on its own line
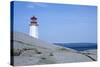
33, 17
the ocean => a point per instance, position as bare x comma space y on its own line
78, 46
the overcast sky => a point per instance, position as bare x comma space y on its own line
58, 22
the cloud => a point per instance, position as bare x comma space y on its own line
31, 6
36, 4
41, 4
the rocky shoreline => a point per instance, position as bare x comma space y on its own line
30, 51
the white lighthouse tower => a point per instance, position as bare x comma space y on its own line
33, 27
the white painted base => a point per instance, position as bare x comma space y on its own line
33, 31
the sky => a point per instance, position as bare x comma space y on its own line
60, 23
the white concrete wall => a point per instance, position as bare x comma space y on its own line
33, 31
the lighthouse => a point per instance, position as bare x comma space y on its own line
33, 27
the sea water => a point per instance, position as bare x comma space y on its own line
78, 46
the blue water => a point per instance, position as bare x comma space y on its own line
79, 46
